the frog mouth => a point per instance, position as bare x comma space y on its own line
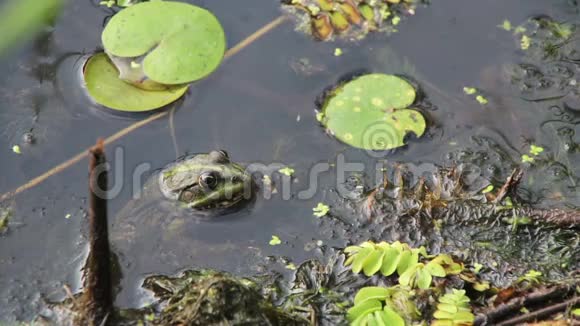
220, 199
204, 205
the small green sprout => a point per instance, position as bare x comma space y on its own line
527, 159
320, 210
108, 3
150, 317
487, 189
525, 42
481, 99
275, 241
287, 171
519, 30
291, 266
472, 91
536, 150
576, 312
16, 149
477, 267
337, 52
531, 276
506, 25
396, 20
469, 90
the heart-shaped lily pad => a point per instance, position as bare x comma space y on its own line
370, 112
105, 87
167, 42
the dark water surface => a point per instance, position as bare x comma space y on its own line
259, 109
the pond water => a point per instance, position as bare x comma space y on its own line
260, 107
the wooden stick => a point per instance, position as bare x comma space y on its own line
98, 297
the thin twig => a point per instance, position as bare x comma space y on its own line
505, 309
77, 158
510, 185
172, 131
541, 313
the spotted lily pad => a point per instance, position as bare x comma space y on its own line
165, 42
370, 112
105, 87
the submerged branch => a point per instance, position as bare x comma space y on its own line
513, 306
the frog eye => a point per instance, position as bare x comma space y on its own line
224, 153
208, 180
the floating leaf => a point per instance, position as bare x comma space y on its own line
373, 262
287, 171
487, 189
360, 258
390, 318
174, 42
506, 25
481, 100
536, 150
390, 261
469, 90
453, 309
424, 278
527, 159
375, 306
320, 210
105, 87
370, 112
407, 260
435, 269
525, 42
363, 309
337, 52
371, 293
275, 241
16, 149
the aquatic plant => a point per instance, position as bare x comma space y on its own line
370, 112
382, 306
158, 46
453, 310
388, 258
347, 19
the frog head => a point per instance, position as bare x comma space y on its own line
206, 181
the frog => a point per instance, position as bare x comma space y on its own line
191, 189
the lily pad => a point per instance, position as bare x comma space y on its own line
104, 86
167, 42
370, 112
